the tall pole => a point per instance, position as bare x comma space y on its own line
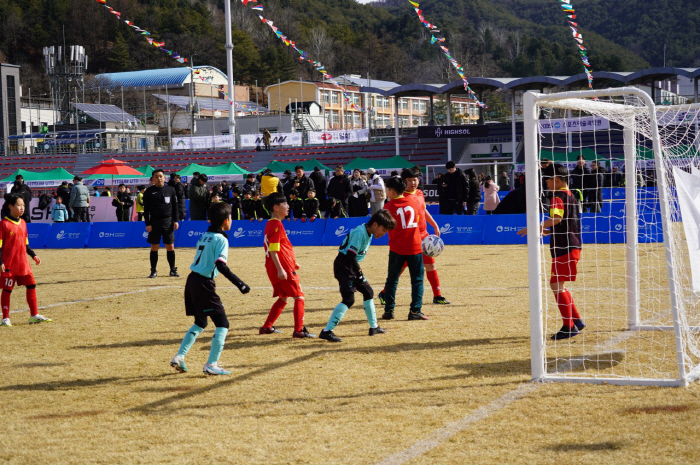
77, 125
145, 121
192, 104
257, 105
449, 123
229, 73
167, 114
123, 132
31, 133
279, 102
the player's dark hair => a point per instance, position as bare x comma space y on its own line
298, 167
248, 192
218, 213
294, 192
407, 173
235, 190
450, 164
158, 170
276, 198
10, 199
311, 189
383, 218
471, 174
203, 177
122, 185
397, 184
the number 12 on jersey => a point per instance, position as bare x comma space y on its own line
411, 213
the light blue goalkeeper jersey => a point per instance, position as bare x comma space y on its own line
211, 247
358, 240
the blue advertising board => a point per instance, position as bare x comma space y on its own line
246, 233
460, 229
37, 234
68, 235
502, 229
308, 233
111, 235
336, 230
189, 232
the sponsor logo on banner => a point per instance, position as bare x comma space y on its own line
195, 233
112, 235
278, 139
342, 231
446, 229
507, 229
203, 142
618, 227
446, 132
63, 235
586, 123
338, 137
239, 233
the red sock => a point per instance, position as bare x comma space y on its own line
434, 282
574, 312
275, 313
31, 301
402, 270
5, 302
564, 302
298, 315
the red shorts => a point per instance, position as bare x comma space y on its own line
9, 281
564, 267
288, 288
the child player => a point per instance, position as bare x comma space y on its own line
347, 271
311, 206
404, 248
14, 248
201, 300
281, 266
564, 225
412, 178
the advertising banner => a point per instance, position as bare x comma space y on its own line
37, 234
189, 233
502, 229
337, 230
281, 139
456, 132
112, 235
338, 137
460, 229
68, 235
203, 142
585, 123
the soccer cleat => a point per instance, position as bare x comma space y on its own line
214, 369
153, 274
179, 364
174, 273
270, 330
440, 300
414, 316
565, 333
388, 316
579, 324
304, 333
329, 336
38, 319
381, 298
5, 322
377, 330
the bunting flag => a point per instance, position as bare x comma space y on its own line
571, 14
439, 40
176, 56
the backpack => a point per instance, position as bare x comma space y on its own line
44, 201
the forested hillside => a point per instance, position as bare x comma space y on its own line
490, 38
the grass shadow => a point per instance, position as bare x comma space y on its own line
493, 369
585, 363
82, 383
593, 447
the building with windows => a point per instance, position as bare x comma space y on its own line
10, 103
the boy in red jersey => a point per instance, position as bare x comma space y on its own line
14, 246
404, 248
281, 266
564, 225
412, 178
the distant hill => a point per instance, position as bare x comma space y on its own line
385, 39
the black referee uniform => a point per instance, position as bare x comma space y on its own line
160, 212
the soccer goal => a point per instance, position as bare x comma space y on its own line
634, 288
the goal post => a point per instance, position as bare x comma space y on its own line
642, 317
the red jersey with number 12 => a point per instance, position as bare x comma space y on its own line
405, 239
420, 198
14, 241
276, 241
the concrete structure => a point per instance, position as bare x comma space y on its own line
10, 103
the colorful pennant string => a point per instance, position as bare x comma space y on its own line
439, 40
568, 9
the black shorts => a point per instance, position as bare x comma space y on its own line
162, 228
202, 301
348, 281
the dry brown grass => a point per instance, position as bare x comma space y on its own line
95, 386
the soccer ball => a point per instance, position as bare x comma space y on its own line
432, 246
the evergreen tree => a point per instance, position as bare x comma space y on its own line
119, 57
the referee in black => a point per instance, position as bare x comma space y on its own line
160, 213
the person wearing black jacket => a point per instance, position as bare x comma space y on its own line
180, 190
456, 191
63, 191
250, 184
302, 183
236, 204
320, 183
296, 205
312, 208
579, 179
160, 214
123, 202
339, 189
474, 192
595, 188
25, 192
287, 183
248, 206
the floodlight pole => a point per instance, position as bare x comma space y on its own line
229, 73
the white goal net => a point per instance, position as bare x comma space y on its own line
634, 287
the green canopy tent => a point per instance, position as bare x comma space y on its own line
278, 167
146, 170
224, 172
384, 166
192, 168
51, 178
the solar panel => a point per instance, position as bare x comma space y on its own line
215, 104
105, 113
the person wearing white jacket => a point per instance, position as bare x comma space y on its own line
377, 191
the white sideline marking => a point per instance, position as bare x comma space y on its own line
446, 432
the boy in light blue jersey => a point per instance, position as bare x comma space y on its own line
201, 300
349, 274
59, 212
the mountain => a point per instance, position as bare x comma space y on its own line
385, 39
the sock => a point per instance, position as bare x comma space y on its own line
369, 311
217, 345
298, 315
5, 302
31, 301
154, 259
402, 270
189, 339
574, 312
275, 313
336, 316
434, 282
171, 258
564, 303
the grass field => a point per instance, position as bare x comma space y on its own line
95, 385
